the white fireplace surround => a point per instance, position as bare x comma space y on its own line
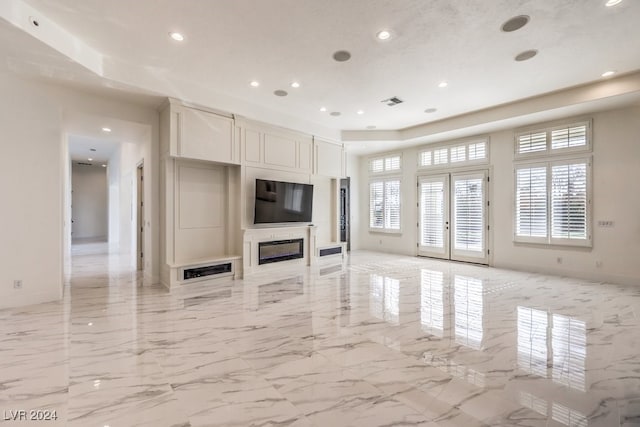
251, 237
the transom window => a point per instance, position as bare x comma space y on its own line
454, 154
390, 163
554, 140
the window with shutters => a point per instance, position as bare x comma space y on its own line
384, 205
454, 154
554, 140
553, 195
391, 163
553, 202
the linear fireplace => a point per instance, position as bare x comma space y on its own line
280, 250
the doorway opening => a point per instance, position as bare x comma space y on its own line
140, 217
345, 228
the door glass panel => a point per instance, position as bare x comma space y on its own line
432, 215
469, 215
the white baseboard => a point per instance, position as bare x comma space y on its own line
20, 298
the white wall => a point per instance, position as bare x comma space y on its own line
89, 202
32, 175
616, 174
31, 188
113, 181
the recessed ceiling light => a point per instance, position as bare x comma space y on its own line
92, 149
515, 23
443, 84
527, 54
106, 130
341, 56
383, 35
360, 112
176, 36
335, 113
254, 84
280, 92
612, 3
371, 127
323, 109
90, 324
430, 110
104, 166
608, 73
295, 85
90, 159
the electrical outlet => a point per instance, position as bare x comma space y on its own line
559, 260
606, 223
598, 264
17, 284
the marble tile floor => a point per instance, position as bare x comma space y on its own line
374, 340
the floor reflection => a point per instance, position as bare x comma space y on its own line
569, 342
468, 311
385, 298
432, 302
532, 341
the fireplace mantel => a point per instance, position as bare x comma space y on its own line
252, 237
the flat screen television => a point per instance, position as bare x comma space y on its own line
278, 201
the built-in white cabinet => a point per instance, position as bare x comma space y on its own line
210, 162
329, 158
200, 135
270, 147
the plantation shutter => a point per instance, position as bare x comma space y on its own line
392, 163
468, 214
441, 156
569, 137
376, 165
392, 205
532, 142
477, 151
458, 154
531, 202
432, 206
425, 158
569, 201
376, 204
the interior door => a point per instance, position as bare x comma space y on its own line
453, 216
433, 196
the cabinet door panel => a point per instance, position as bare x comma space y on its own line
205, 136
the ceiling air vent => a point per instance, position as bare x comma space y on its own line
85, 164
392, 101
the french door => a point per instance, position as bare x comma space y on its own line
453, 216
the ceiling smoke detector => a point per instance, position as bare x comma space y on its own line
392, 101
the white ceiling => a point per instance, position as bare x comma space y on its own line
230, 43
80, 149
